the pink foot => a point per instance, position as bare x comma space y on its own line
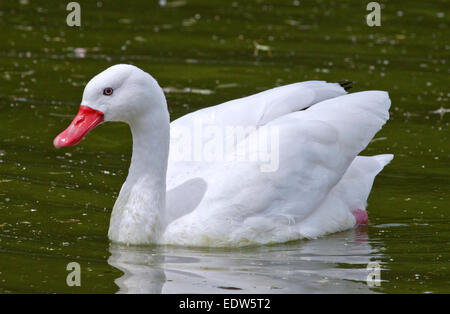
361, 217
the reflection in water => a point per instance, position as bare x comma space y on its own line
332, 264
142, 267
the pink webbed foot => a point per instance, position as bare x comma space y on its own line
361, 217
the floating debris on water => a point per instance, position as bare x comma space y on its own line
190, 21
391, 225
259, 47
57, 173
441, 111
409, 114
188, 90
171, 4
378, 139
230, 85
80, 52
68, 221
125, 21
140, 39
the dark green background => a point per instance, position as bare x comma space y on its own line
55, 204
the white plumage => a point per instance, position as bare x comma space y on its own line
316, 181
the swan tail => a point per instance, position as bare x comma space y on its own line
357, 182
345, 205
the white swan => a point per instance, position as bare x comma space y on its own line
317, 185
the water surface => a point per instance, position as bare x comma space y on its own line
55, 204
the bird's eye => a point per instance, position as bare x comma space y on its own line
108, 91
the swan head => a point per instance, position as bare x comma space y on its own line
121, 93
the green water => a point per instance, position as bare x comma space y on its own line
55, 204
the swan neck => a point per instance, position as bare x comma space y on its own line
150, 151
138, 216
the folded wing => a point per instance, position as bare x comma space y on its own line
314, 149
